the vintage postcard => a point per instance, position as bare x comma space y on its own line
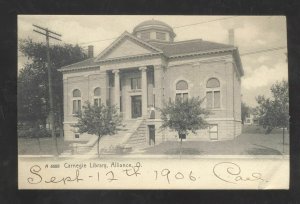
152, 102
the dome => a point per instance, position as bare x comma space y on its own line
154, 25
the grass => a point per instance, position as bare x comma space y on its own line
246, 144
29, 146
256, 129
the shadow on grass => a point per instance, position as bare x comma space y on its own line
263, 151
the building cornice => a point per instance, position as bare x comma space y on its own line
201, 53
71, 69
130, 57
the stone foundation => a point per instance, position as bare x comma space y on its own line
227, 130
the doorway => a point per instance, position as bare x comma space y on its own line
136, 106
151, 134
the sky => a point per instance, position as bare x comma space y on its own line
252, 33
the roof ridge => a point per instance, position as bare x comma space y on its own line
184, 41
78, 62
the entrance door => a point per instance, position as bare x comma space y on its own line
151, 134
136, 106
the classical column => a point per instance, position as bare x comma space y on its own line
117, 88
144, 91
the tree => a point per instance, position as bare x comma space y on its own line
184, 116
33, 98
245, 110
98, 120
274, 112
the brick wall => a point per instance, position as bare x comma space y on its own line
86, 82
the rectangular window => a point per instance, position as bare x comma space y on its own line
160, 36
182, 96
76, 136
145, 35
76, 106
185, 97
97, 102
213, 131
217, 99
79, 106
178, 97
213, 99
135, 83
209, 99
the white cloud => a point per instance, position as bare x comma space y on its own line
265, 76
262, 58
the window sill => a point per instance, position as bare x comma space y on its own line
215, 109
74, 114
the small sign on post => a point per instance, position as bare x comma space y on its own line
182, 135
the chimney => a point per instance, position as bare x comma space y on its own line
231, 36
90, 51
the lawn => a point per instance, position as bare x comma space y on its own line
29, 146
245, 144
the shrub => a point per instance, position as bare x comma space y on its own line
30, 132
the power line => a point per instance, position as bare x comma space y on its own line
97, 41
219, 19
265, 50
175, 27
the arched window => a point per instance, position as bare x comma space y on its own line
76, 101
76, 93
97, 96
181, 90
213, 93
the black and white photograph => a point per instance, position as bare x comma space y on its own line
152, 102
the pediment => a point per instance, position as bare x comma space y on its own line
127, 46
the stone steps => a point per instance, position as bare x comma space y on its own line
107, 143
131, 135
139, 137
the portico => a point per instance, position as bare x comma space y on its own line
136, 94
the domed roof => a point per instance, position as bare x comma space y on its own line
153, 24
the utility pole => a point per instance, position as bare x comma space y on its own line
46, 32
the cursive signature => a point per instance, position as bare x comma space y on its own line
231, 173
